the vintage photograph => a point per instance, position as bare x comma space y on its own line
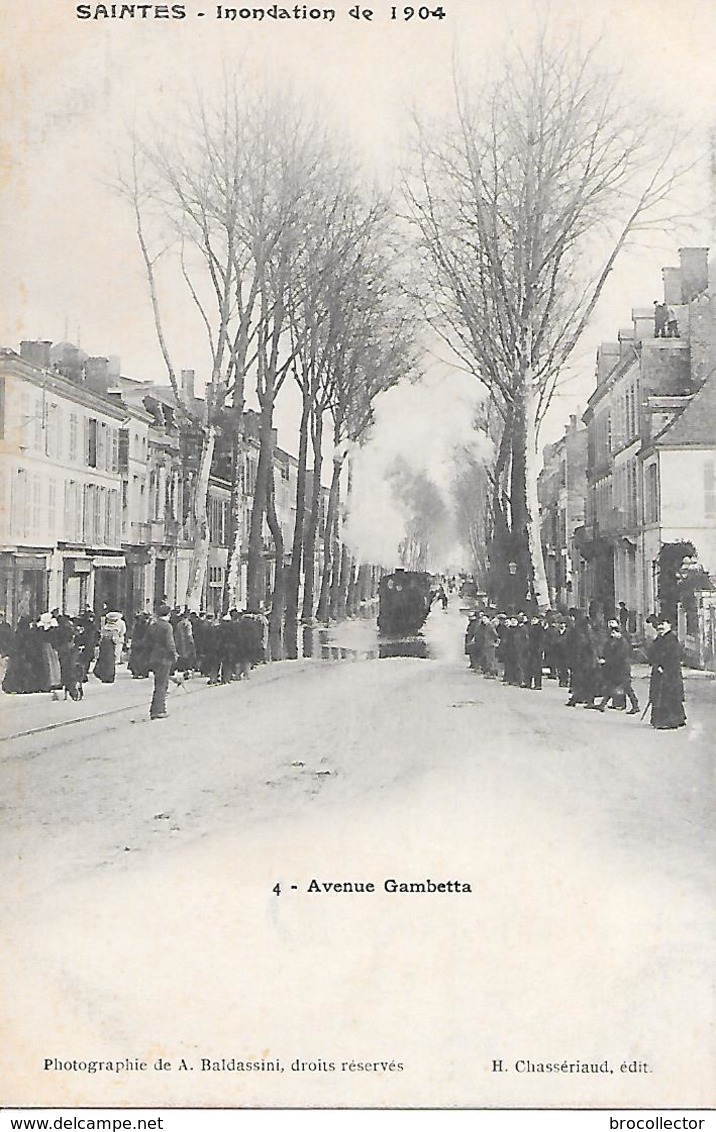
358, 555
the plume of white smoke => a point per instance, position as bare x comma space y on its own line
409, 461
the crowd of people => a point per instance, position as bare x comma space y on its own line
57, 653
590, 660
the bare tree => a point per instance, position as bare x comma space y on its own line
377, 348
521, 205
189, 189
229, 191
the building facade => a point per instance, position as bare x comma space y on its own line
96, 483
651, 427
64, 498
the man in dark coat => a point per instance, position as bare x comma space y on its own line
616, 670
582, 654
536, 641
474, 641
489, 649
666, 685
162, 657
521, 649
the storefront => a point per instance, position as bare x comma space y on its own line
23, 586
76, 571
109, 582
138, 560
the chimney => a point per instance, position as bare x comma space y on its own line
626, 337
114, 366
187, 384
36, 353
694, 272
672, 284
97, 374
607, 359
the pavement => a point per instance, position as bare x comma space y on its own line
142, 860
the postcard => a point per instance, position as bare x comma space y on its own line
358, 626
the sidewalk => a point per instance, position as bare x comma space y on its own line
37, 711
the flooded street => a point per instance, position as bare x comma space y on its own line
360, 639
169, 900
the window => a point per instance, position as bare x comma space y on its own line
114, 454
19, 501
73, 513
651, 493
100, 513
112, 532
101, 445
633, 419
88, 524
123, 451
38, 421
91, 442
633, 504
710, 489
35, 512
53, 431
72, 454
51, 506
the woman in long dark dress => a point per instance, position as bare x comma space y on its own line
104, 668
86, 638
49, 666
68, 654
666, 684
21, 675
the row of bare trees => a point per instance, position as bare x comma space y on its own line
515, 210
522, 199
292, 265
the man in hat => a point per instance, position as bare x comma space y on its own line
666, 684
616, 671
162, 658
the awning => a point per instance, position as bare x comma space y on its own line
77, 565
106, 561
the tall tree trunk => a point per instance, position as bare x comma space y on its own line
231, 596
534, 542
352, 596
499, 580
200, 553
293, 580
255, 584
343, 583
521, 588
323, 611
336, 560
309, 551
279, 588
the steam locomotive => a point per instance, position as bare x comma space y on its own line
403, 601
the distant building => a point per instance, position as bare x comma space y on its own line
562, 489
